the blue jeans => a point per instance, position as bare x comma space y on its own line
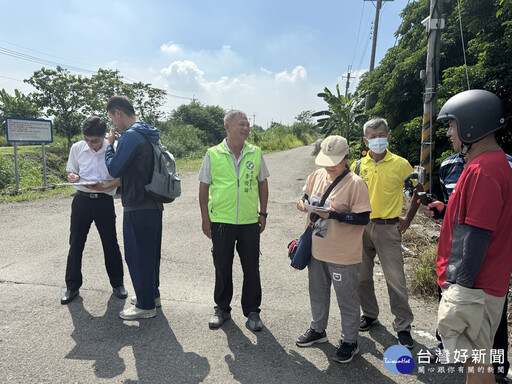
142, 231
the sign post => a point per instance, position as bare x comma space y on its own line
21, 130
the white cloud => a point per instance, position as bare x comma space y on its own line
270, 97
219, 62
264, 70
171, 48
184, 76
180, 68
299, 73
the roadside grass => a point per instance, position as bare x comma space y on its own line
424, 282
31, 173
421, 242
21, 149
35, 194
188, 165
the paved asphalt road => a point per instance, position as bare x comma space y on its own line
42, 341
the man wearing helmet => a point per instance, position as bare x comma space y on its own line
473, 260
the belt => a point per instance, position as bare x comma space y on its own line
394, 220
95, 195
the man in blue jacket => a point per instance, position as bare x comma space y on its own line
132, 161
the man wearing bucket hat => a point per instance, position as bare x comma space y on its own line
473, 253
336, 245
384, 172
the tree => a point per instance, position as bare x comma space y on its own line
146, 101
209, 119
305, 117
18, 105
341, 115
69, 98
64, 96
183, 141
397, 91
102, 86
304, 127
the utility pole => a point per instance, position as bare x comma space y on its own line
348, 81
433, 24
374, 42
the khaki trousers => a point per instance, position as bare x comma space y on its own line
385, 240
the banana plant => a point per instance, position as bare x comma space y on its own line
340, 118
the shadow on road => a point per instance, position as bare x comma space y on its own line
266, 361
158, 355
379, 334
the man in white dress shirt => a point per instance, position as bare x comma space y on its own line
93, 201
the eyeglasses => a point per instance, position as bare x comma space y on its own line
94, 140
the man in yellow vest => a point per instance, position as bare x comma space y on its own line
384, 172
232, 179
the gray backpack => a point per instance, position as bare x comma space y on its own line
165, 183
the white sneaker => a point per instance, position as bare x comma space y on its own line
158, 301
134, 313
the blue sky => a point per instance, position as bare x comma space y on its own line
268, 58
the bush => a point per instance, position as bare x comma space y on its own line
424, 282
6, 171
60, 145
183, 141
30, 170
280, 137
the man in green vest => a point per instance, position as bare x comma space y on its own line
232, 179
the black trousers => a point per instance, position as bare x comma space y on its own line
247, 240
85, 210
500, 338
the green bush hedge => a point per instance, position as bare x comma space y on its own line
183, 141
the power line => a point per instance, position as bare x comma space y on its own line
358, 33
11, 78
39, 60
45, 54
35, 59
54, 64
181, 97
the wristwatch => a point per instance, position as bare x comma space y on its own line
264, 214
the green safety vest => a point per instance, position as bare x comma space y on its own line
234, 200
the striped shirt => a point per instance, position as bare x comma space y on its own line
449, 173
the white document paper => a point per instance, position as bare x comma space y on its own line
313, 208
82, 183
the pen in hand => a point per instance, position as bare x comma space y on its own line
73, 177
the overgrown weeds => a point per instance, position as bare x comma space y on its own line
424, 282
421, 240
